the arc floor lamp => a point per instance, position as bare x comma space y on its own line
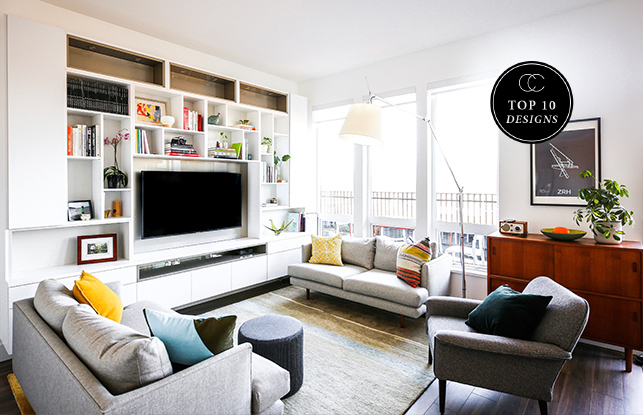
363, 125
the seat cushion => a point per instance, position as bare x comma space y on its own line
385, 285
324, 274
437, 323
386, 253
52, 301
359, 251
121, 358
269, 383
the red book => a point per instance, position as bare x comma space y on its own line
186, 118
200, 122
182, 154
70, 142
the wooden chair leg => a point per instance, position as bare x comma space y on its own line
430, 357
543, 407
401, 321
307, 294
443, 394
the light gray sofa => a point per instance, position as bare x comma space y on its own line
368, 276
56, 381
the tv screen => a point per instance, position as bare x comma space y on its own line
180, 202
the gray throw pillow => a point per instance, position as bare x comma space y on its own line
386, 253
52, 301
358, 251
120, 357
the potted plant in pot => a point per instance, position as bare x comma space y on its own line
266, 143
604, 212
278, 162
112, 174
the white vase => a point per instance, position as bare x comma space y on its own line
616, 226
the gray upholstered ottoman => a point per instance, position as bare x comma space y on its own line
279, 339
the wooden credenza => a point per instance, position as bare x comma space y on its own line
607, 276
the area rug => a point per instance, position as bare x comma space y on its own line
21, 400
357, 359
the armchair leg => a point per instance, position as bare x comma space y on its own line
543, 407
443, 394
401, 321
430, 357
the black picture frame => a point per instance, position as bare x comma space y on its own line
76, 207
555, 164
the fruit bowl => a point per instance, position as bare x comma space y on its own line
573, 234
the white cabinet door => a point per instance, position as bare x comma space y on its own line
171, 291
211, 281
248, 272
278, 262
36, 124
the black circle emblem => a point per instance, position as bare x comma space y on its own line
531, 102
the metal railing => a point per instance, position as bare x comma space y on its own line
479, 208
336, 202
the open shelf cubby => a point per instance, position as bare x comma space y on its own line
203, 83
262, 97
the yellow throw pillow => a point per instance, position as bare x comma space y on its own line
91, 291
327, 250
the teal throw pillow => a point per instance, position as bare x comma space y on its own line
509, 313
189, 340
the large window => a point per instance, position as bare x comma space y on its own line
467, 134
392, 165
335, 168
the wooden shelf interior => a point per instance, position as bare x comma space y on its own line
261, 97
107, 60
202, 83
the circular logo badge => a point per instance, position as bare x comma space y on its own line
531, 102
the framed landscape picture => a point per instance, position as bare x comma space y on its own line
556, 164
149, 110
96, 248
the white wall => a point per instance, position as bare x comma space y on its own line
598, 49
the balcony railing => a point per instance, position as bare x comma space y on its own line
479, 208
336, 202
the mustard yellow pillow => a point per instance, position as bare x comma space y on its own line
91, 291
327, 250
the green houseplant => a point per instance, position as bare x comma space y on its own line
604, 211
266, 143
278, 162
112, 174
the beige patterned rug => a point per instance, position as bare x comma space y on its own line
357, 359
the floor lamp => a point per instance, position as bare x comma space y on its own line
363, 125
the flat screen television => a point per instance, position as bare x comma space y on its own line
181, 202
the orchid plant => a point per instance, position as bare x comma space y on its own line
114, 171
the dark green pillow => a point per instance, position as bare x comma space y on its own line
506, 312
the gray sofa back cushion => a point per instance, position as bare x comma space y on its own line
386, 253
121, 358
359, 251
52, 301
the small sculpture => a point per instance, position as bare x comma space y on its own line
214, 119
279, 230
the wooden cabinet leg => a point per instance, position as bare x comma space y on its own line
629, 358
401, 321
307, 294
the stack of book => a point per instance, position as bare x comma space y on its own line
192, 120
298, 223
97, 96
220, 152
83, 140
268, 173
174, 149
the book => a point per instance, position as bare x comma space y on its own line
70, 141
185, 118
172, 153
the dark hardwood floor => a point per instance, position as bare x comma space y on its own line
7, 403
593, 382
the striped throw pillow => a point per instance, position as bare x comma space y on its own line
327, 250
410, 259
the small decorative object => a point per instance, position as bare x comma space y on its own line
96, 248
107, 212
214, 119
85, 216
167, 120
276, 230
278, 162
76, 209
603, 211
272, 201
244, 122
558, 233
149, 110
113, 175
116, 208
224, 140
266, 143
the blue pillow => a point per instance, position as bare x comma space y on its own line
509, 313
189, 340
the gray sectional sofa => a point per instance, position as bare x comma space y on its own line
57, 380
368, 276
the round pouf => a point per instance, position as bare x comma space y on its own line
279, 339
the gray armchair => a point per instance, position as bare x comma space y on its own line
527, 368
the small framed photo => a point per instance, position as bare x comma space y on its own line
96, 248
150, 110
557, 163
76, 209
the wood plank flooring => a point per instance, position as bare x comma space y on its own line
594, 382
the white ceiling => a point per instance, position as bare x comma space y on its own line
305, 39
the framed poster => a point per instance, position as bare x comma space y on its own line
96, 248
557, 163
149, 110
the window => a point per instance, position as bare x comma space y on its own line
335, 171
392, 192
462, 120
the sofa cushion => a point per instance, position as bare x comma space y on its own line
324, 274
90, 290
386, 253
134, 318
358, 251
410, 259
385, 285
52, 301
327, 250
270, 382
121, 358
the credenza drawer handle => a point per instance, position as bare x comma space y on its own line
493, 250
635, 267
635, 317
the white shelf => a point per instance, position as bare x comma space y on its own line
276, 183
91, 113
280, 207
118, 189
224, 128
144, 126
78, 223
183, 158
83, 158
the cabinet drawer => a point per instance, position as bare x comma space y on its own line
211, 281
520, 259
495, 282
278, 263
171, 291
605, 271
248, 272
613, 320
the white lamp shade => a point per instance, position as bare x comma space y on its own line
363, 125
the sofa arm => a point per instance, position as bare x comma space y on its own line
450, 306
306, 252
436, 275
